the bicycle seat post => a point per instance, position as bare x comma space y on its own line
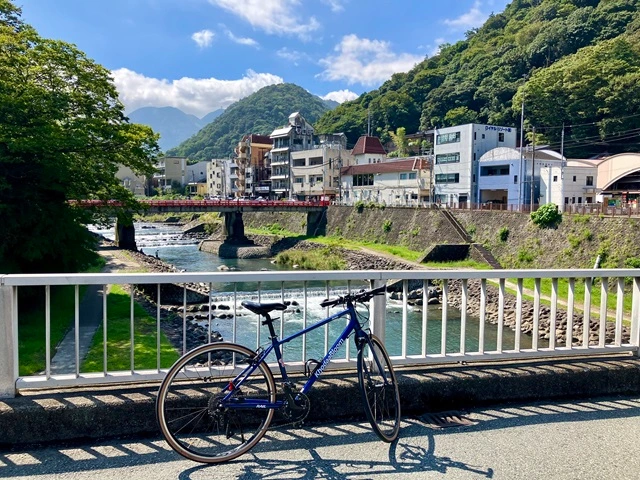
268, 321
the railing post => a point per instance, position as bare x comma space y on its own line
635, 315
8, 341
378, 309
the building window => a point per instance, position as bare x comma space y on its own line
314, 162
501, 137
298, 180
566, 200
589, 181
555, 178
403, 176
448, 158
574, 178
494, 171
363, 180
412, 175
589, 200
579, 199
448, 178
483, 136
515, 179
448, 138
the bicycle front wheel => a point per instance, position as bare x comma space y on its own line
191, 416
379, 389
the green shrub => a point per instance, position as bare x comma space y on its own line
547, 216
632, 262
574, 240
415, 231
581, 218
471, 230
587, 235
525, 256
359, 206
503, 234
386, 226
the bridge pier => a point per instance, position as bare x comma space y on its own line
233, 229
125, 234
317, 223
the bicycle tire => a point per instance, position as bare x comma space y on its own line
380, 394
187, 412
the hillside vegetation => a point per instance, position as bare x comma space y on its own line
261, 113
575, 62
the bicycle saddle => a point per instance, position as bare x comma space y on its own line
263, 308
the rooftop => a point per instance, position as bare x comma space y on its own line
367, 144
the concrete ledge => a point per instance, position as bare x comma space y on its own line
63, 415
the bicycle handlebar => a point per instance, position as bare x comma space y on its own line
361, 296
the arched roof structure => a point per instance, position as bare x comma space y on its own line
619, 173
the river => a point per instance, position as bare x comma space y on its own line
167, 242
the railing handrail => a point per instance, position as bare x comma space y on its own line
271, 276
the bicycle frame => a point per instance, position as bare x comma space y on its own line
231, 401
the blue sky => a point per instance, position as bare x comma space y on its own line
201, 55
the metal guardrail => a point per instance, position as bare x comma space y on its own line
474, 305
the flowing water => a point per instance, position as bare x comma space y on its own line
167, 242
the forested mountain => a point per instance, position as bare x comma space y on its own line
261, 112
173, 125
575, 62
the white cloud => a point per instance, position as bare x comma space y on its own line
472, 19
249, 42
203, 38
340, 96
198, 96
294, 56
364, 61
278, 17
336, 5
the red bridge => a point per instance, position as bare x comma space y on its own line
232, 210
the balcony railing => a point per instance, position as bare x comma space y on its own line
430, 317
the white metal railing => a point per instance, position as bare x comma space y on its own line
482, 315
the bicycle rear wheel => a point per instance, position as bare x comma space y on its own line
379, 389
188, 408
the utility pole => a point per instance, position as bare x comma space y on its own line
562, 170
521, 170
533, 167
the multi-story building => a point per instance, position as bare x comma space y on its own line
171, 172
295, 136
136, 184
505, 177
219, 178
316, 171
254, 170
457, 151
397, 182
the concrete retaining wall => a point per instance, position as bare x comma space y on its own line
97, 413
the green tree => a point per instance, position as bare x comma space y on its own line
63, 135
399, 139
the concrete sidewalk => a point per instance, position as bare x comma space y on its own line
103, 412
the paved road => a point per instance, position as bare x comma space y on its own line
587, 439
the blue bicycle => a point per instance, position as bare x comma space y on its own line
218, 400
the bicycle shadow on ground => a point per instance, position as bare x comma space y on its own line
333, 451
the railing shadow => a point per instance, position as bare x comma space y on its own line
318, 451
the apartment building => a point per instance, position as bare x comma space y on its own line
569, 184
295, 136
221, 177
457, 151
316, 171
171, 171
254, 169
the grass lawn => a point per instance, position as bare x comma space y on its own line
119, 338
31, 321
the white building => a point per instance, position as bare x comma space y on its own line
401, 182
571, 185
504, 175
457, 151
221, 177
368, 150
